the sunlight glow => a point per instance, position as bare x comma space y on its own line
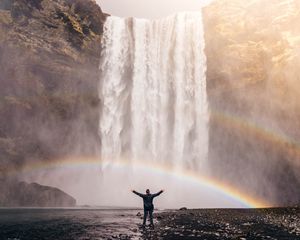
150, 9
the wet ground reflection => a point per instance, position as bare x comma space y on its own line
210, 224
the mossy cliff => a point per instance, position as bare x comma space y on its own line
49, 57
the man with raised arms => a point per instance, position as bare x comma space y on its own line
148, 204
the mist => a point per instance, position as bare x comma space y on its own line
49, 106
154, 9
51, 109
253, 95
111, 186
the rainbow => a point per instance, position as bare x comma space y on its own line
252, 129
183, 175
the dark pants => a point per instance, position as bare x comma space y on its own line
146, 212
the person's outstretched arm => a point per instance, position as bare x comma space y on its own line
137, 193
157, 194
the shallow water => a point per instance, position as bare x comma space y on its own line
210, 224
31, 224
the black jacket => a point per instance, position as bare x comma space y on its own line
148, 199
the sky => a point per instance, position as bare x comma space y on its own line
149, 8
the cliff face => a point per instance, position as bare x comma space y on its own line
33, 195
253, 84
49, 55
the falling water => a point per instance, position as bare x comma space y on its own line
153, 91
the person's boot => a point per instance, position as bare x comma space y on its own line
151, 223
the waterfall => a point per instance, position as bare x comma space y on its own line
153, 91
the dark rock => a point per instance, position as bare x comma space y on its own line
85, 206
5, 4
228, 224
183, 209
23, 194
90, 14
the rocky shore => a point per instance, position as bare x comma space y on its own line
213, 224
209, 224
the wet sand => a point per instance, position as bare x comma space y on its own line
83, 224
